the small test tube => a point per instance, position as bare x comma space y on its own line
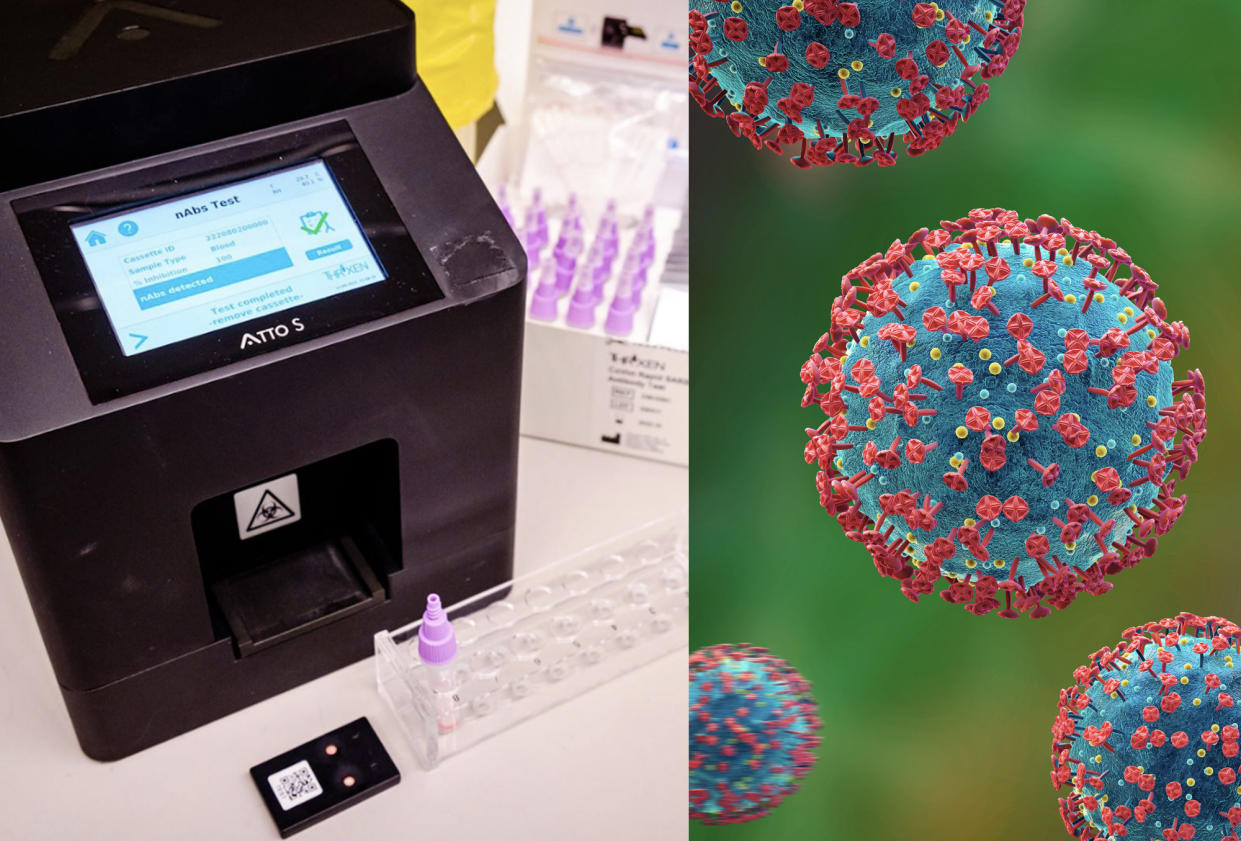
582, 305
620, 314
535, 234
505, 207
545, 302
437, 648
568, 247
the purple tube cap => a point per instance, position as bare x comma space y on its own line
437, 643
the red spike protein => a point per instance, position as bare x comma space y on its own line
837, 82
1147, 739
752, 727
1002, 412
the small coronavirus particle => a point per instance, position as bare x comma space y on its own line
752, 727
1147, 736
1002, 412
837, 83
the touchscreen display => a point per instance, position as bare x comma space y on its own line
184, 267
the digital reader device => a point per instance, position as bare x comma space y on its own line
260, 349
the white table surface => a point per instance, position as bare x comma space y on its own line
607, 765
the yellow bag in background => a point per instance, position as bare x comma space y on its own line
456, 55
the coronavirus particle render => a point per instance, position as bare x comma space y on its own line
1146, 738
1002, 412
837, 83
752, 727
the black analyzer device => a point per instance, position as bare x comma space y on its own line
260, 349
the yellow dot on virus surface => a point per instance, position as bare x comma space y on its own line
1121, 317
1098, 757
1068, 261
970, 563
1070, 298
736, 5
840, 464
1062, 251
954, 461
939, 13
1184, 680
913, 287
1197, 702
997, 422
1151, 401
984, 354
1214, 728
1098, 297
1124, 682
970, 521
988, 16
995, 368
1028, 262
896, 92
936, 353
864, 341
870, 423
1208, 770
1201, 753
1092, 500
1128, 310
1136, 440
1071, 545
999, 563
1100, 451
1150, 334
856, 65
962, 432
1190, 782
843, 72
1013, 435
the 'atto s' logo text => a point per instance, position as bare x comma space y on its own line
270, 334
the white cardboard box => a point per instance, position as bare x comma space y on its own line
605, 393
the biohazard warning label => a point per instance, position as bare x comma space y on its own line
267, 506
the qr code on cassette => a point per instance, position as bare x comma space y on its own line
295, 785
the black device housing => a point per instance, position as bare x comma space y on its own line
397, 412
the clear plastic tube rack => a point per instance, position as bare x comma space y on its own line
542, 639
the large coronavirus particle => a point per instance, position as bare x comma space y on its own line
752, 727
1147, 736
1002, 412
837, 83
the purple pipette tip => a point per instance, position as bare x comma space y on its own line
582, 308
505, 208
545, 302
620, 316
564, 278
437, 644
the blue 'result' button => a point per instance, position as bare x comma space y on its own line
328, 250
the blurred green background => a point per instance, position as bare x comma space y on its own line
1121, 116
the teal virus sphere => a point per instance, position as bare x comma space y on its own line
1002, 412
1146, 738
752, 727
838, 83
